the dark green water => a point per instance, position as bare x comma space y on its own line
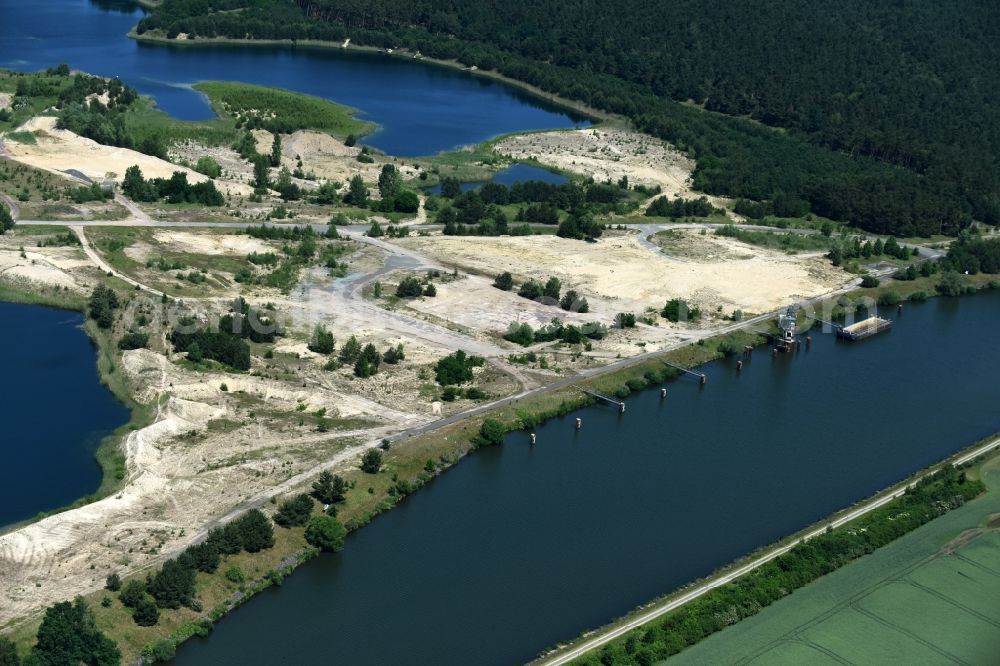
421, 109
518, 548
54, 411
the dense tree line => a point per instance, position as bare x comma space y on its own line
523, 334
676, 208
222, 345
974, 254
175, 189
891, 113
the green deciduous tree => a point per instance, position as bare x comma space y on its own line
371, 461
389, 181
325, 533
678, 310
492, 432
456, 368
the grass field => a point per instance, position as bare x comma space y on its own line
929, 598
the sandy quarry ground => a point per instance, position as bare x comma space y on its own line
211, 450
40, 267
61, 150
620, 274
184, 473
606, 154
323, 155
329, 158
5, 100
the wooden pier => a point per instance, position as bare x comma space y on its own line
603, 398
701, 377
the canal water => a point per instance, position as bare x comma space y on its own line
421, 109
520, 547
53, 408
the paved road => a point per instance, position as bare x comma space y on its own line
558, 658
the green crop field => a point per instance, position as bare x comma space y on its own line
932, 597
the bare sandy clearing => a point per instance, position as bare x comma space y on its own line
5, 100
233, 167
475, 303
606, 154
211, 243
61, 150
34, 268
630, 276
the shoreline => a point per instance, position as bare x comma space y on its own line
543, 404
589, 113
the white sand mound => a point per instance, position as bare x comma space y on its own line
59, 150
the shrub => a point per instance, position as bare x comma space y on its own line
409, 287
889, 298
164, 650
677, 310
491, 432
625, 320
870, 282
235, 575
113, 582
504, 281
134, 341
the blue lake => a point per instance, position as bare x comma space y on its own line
54, 409
421, 108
